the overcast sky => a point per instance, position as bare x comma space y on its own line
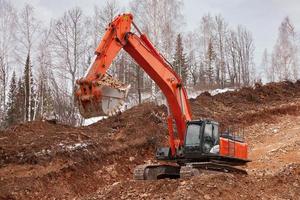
261, 17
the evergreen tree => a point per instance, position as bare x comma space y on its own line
20, 101
11, 115
180, 61
210, 58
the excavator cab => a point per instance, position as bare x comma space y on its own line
204, 142
202, 137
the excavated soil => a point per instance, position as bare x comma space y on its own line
41, 160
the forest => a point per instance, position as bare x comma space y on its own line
40, 62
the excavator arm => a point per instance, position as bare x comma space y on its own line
97, 86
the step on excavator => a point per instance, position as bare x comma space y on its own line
195, 146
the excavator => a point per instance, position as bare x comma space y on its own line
194, 145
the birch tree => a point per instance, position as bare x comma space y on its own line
179, 60
7, 30
193, 67
226, 54
221, 32
101, 17
285, 53
43, 101
27, 32
161, 20
70, 43
245, 56
267, 66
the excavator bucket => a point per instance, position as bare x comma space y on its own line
105, 96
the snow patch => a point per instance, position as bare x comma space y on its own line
192, 94
219, 91
87, 122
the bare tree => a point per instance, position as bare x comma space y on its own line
27, 32
221, 31
239, 52
205, 34
205, 40
70, 42
231, 54
45, 64
102, 16
285, 53
268, 67
161, 27
245, 55
7, 30
100, 20
226, 54
192, 65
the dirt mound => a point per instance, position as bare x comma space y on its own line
84, 158
212, 186
41, 159
241, 106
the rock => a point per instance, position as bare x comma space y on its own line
207, 197
144, 195
131, 158
275, 130
295, 184
183, 183
115, 183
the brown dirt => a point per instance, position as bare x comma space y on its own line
40, 160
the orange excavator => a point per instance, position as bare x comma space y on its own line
196, 145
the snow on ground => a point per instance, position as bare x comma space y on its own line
219, 91
192, 94
87, 122
132, 100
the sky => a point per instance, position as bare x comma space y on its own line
261, 17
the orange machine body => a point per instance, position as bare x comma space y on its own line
233, 148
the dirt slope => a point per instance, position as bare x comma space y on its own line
44, 160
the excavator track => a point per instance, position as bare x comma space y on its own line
138, 173
156, 171
195, 169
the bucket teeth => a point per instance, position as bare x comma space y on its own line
116, 108
108, 101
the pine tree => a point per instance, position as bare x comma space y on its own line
180, 61
20, 101
11, 115
210, 58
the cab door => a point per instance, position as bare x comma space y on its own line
210, 137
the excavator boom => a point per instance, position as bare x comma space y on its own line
96, 97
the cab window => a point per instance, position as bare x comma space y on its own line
192, 135
208, 140
215, 134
